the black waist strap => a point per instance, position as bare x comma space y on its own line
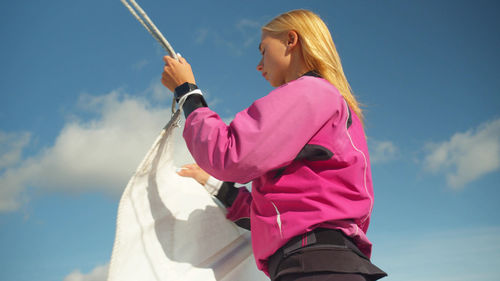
319, 238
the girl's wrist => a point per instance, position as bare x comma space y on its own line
213, 185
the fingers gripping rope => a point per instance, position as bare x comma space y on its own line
148, 24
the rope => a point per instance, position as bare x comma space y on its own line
148, 24
144, 19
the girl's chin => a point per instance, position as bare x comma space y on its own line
275, 84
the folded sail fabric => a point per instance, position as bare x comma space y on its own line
169, 228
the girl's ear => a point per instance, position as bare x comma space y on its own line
292, 38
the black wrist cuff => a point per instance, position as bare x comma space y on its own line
184, 89
192, 103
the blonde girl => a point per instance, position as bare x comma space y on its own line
304, 149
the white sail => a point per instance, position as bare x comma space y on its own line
169, 227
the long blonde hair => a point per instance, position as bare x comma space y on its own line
318, 49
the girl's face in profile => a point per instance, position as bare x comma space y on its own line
275, 60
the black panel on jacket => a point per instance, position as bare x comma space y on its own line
314, 152
227, 193
243, 223
310, 152
349, 120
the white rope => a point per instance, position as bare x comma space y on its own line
144, 19
148, 24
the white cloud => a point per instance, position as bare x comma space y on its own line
201, 35
250, 30
159, 92
382, 151
11, 147
140, 64
99, 273
244, 34
88, 155
466, 156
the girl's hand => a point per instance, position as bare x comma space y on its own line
176, 73
195, 172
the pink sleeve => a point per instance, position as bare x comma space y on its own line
266, 136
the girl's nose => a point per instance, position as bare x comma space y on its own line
260, 66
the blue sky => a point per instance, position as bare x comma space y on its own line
81, 102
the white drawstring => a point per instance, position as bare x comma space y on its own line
183, 99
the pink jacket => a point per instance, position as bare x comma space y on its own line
306, 155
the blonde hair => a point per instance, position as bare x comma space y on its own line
318, 49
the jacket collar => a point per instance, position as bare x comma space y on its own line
312, 73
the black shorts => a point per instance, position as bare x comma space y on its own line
328, 255
322, 276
